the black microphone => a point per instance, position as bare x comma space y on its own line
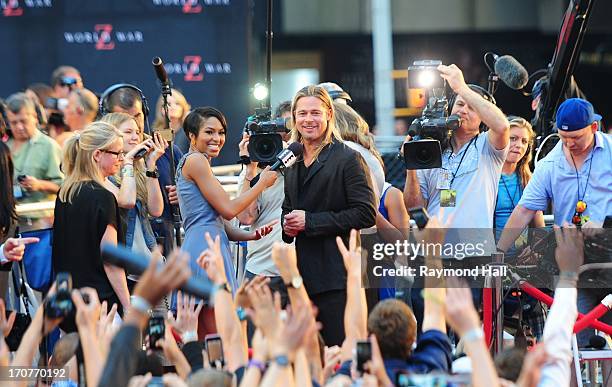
136, 263
286, 158
511, 72
160, 70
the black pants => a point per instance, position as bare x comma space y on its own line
331, 305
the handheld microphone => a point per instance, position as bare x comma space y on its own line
286, 158
511, 72
136, 263
160, 71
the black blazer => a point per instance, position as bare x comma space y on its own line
337, 196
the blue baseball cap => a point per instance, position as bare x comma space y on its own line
575, 114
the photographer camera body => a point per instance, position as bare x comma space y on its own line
466, 181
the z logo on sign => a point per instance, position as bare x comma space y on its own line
104, 41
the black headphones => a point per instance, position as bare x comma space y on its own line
103, 108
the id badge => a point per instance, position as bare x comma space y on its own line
17, 192
448, 198
444, 178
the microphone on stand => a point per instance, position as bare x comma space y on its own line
286, 158
510, 71
160, 70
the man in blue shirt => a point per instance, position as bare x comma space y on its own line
577, 178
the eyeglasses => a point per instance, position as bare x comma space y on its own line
119, 155
580, 208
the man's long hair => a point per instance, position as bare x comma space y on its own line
331, 132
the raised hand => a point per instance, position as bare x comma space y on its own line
285, 259
211, 260
570, 248
242, 298
352, 255
460, 312
187, 312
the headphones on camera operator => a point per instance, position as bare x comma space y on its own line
104, 109
484, 93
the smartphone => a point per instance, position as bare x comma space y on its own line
363, 354
140, 154
156, 329
420, 216
214, 350
608, 222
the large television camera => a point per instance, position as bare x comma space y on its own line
265, 141
432, 131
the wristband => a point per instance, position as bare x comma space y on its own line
140, 304
473, 334
127, 170
257, 364
568, 275
242, 316
189, 336
244, 160
282, 360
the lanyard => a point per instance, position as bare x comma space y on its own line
518, 189
461, 161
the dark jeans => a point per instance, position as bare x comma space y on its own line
276, 284
331, 305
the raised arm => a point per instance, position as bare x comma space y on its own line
490, 114
197, 168
155, 199
228, 324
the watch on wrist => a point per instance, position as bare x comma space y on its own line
223, 286
154, 173
295, 282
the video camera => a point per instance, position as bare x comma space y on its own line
432, 131
265, 141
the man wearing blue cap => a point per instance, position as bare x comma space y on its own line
576, 176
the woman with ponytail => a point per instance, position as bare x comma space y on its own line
87, 214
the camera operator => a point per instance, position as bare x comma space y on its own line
267, 208
468, 180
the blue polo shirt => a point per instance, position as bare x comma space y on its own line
433, 353
554, 179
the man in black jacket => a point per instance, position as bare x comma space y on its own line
327, 193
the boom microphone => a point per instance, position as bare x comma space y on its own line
286, 158
160, 70
136, 263
511, 72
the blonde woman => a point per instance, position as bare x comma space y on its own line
178, 108
328, 192
136, 187
515, 172
87, 214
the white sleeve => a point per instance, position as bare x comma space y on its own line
557, 338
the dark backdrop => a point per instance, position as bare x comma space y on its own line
204, 45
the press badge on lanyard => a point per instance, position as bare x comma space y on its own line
448, 196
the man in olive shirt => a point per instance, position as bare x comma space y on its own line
36, 157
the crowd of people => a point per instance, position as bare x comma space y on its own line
301, 315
